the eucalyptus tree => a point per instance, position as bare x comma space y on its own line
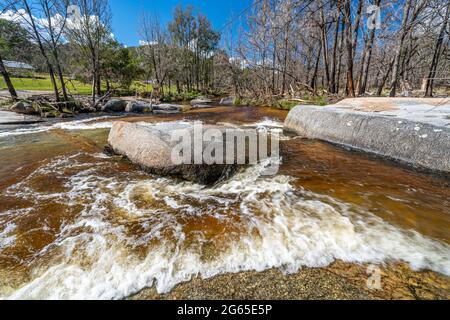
89, 31
54, 20
195, 42
155, 50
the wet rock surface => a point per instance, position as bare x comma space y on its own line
11, 118
139, 107
390, 132
228, 101
201, 102
166, 108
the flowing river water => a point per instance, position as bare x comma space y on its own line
78, 224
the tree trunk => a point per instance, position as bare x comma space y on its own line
316, 70
5, 74
437, 54
385, 78
99, 83
324, 40
60, 76
94, 81
398, 53
350, 89
41, 48
274, 61
286, 54
340, 49
368, 58
332, 87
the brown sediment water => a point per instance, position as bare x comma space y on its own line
76, 223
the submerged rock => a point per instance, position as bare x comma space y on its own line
169, 108
151, 146
201, 102
228, 101
24, 107
115, 106
139, 107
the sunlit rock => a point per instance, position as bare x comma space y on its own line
151, 148
412, 131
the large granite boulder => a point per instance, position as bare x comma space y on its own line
24, 107
115, 105
151, 148
166, 108
139, 107
414, 132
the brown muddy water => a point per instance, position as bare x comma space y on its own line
78, 224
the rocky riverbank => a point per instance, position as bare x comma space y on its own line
44, 106
340, 281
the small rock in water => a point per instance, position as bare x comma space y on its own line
115, 106
139, 107
66, 115
201, 101
228, 101
169, 109
48, 115
24, 107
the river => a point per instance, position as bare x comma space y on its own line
76, 223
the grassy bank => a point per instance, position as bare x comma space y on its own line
43, 83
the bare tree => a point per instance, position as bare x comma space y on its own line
350, 88
55, 13
437, 52
89, 30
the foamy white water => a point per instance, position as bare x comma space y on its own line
85, 124
101, 255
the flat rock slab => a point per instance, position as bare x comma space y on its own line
11, 118
434, 111
413, 131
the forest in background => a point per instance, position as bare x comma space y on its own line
273, 52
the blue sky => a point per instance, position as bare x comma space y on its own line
126, 14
